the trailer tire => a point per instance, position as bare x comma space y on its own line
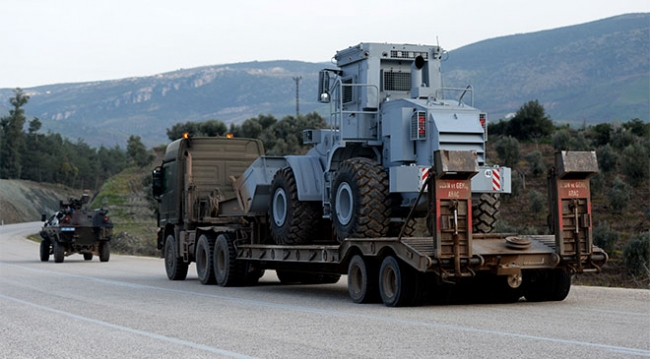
396, 283
561, 285
174, 266
88, 256
105, 253
204, 260
485, 210
292, 221
553, 285
360, 200
228, 271
58, 251
45, 250
363, 279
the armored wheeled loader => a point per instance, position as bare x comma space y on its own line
76, 229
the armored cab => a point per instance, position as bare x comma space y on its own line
76, 229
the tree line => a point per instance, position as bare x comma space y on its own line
29, 155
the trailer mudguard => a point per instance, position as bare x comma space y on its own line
309, 177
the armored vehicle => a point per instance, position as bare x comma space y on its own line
76, 229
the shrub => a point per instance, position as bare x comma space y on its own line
635, 164
619, 195
537, 202
605, 237
637, 255
508, 150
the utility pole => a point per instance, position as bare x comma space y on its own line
297, 79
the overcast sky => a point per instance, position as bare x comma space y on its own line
57, 41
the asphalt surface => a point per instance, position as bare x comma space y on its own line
128, 308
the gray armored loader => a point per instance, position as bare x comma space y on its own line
76, 229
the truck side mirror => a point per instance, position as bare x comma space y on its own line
157, 182
324, 86
43, 217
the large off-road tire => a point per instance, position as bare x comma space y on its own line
292, 221
174, 266
485, 210
360, 202
363, 280
45, 250
397, 283
394, 228
58, 250
88, 256
205, 259
228, 271
105, 252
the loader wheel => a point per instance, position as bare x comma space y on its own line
174, 266
484, 212
394, 228
45, 250
105, 252
396, 283
360, 200
228, 271
292, 221
363, 279
204, 260
88, 256
59, 252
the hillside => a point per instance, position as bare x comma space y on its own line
25, 201
593, 72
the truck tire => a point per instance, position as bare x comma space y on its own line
553, 285
45, 250
397, 285
174, 266
363, 279
105, 252
484, 212
360, 202
292, 221
228, 271
58, 250
88, 256
204, 260
394, 228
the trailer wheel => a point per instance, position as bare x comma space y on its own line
105, 252
363, 279
174, 266
228, 271
292, 221
204, 260
59, 252
484, 212
45, 250
553, 285
396, 283
88, 256
360, 200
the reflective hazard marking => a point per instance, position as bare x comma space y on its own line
496, 179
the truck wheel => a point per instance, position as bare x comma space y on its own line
484, 212
561, 285
104, 252
59, 252
360, 200
362, 281
292, 221
396, 283
174, 266
45, 250
553, 285
88, 256
204, 260
228, 271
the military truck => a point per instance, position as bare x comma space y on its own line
398, 150
76, 229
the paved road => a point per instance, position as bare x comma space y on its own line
127, 307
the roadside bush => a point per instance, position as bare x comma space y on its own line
619, 195
537, 202
607, 158
536, 163
637, 255
561, 140
635, 164
508, 150
605, 237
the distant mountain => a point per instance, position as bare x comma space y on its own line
594, 72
